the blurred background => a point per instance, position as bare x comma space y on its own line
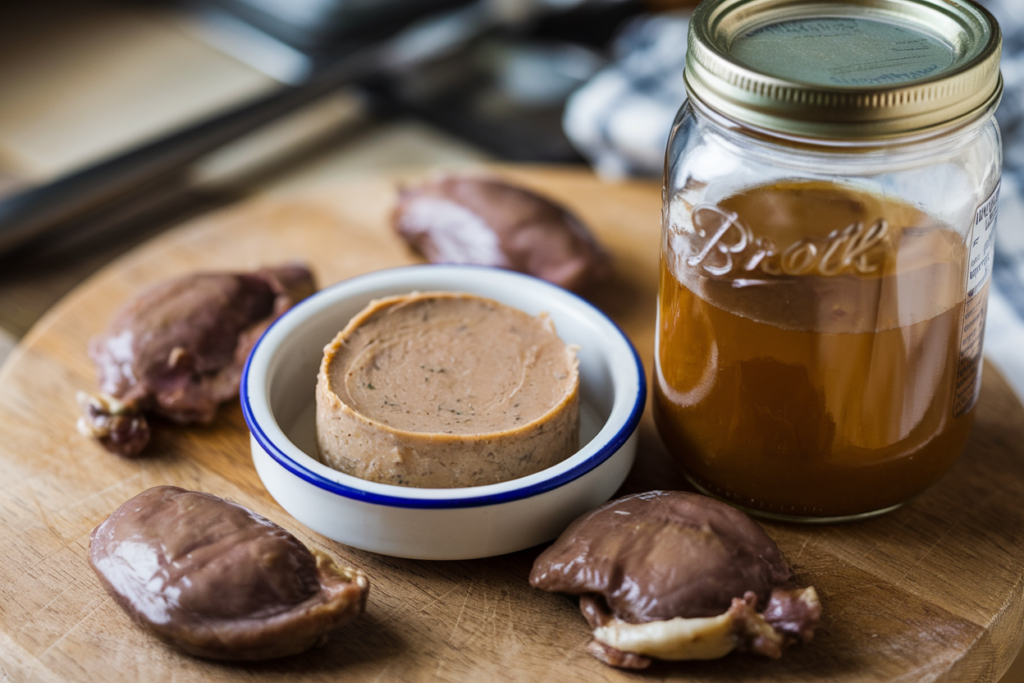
121, 118
107, 108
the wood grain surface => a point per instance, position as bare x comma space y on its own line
931, 592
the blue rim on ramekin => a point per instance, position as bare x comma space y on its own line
311, 477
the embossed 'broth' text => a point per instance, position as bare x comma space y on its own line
724, 244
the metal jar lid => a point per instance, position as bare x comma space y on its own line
844, 69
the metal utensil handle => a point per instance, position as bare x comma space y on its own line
33, 213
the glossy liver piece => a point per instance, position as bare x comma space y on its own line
663, 554
219, 581
484, 221
179, 347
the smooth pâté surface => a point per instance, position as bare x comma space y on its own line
441, 364
444, 390
931, 592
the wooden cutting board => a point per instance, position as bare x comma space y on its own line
931, 592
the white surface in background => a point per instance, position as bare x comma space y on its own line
1004, 340
7, 343
244, 42
71, 97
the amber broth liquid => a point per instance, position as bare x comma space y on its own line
810, 395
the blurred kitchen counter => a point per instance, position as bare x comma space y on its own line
85, 80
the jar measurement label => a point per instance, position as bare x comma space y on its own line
982, 248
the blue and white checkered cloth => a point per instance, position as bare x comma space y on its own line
621, 118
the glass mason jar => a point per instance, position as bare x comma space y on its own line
829, 206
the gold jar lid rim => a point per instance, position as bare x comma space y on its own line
846, 69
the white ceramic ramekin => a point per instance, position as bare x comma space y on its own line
278, 401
